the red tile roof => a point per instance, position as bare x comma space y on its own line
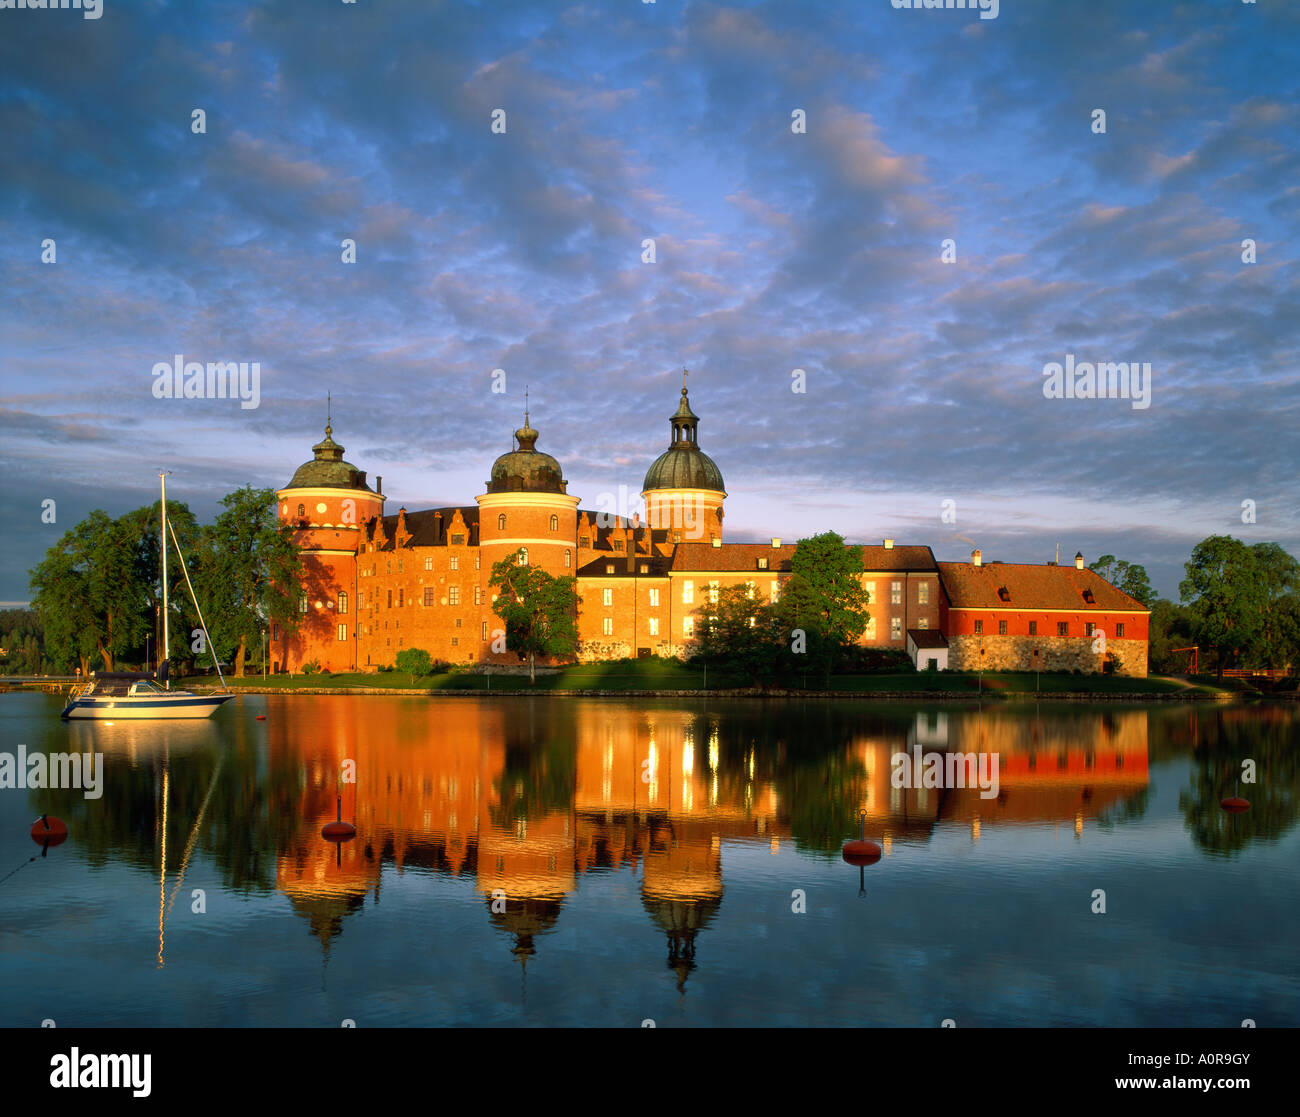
1032, 587
745, 556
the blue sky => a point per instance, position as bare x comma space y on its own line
774, 251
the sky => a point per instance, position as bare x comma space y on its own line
798, 167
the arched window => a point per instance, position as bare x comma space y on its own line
555, 523
523, 556
302, 511
568, 559
501, 522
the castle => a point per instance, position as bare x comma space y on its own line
374, 584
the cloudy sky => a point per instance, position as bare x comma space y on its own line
775, 249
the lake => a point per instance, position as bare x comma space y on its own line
605, 862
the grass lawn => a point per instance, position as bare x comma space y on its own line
664, 675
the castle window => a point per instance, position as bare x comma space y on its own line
607, 626
688, 626
1062, 628
361, 600
923, 593
923, 622
654, 626
1033, 628
501, 522
775, 590
688, 593
607, 597
523, 556
555, 523
388, 567
618, 544
458, 539
478, 595
302, 511
750, 594
585, 541
302, 603
654, 599
762, 564
453, 563
1089, 629
401, 598
895, 628
485, 630
428, 562
609, 568
453, 595
455, 641
1002, 628
979, 628
343, 603
896, 593
1119, 631
568, 559
430, 596
458, 625
478, 561
1004, 594
343, 632
645, 568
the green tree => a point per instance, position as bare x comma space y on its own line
740, 630
539, 611
1171, 626
248, 570
1279, 578
1225, 596
413, 662
825, 598
1126, 577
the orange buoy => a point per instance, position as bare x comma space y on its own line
338, 830
261, 717
48, 830
861, 853
1235, 805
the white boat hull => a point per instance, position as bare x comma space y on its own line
140, 707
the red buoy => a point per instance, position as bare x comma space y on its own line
261, 717
861, 853
338, 830
1235, 805
48, 830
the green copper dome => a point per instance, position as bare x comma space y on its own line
328, 470
526, 469
683, 465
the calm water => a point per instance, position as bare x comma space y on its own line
620, 900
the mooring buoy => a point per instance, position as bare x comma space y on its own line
338, 830
1234, 804
48, 830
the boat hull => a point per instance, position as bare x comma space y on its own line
141, 707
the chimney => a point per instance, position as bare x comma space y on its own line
1078, 560
776, 542
976, 558
889, 544
437, 527
361, 478
379, 485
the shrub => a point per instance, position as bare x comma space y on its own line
311, 668
413, 662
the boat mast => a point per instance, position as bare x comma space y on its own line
166, 645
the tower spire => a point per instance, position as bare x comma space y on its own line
329, 415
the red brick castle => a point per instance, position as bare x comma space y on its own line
374, 584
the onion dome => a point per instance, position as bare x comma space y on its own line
328, 470
683, 465
525, 469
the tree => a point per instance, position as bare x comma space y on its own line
248, 571
1226, 597
1126, 577
539, 610
413, 662
825, 598
740, 630
1171, 626
1279, 631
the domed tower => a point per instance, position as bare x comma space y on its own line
683, 489
527, 506
326, 503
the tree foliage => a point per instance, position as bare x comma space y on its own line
824, 599
1126, 577
540, 611
742, 630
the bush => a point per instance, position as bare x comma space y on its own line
414, 662
311, 668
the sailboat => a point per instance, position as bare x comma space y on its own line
130, 695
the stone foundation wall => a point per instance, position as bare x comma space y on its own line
1056, 653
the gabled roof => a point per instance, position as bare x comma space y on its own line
427, 531
1032, 587
927, 638
737, 557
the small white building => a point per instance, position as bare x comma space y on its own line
926, 646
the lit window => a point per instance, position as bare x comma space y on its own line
762, 564
343, 632
302, 604
607, 626
501, 522
555, 523
361, 600
922, 622
654, 626
343, 603
609, 568
453, 595
453, 563
428, 563
645, 568
688, 593
896, 593
750, 594
654, 599
752, 621
523, 556
923, 593
568, 559
485, 630
478, 559
895, 628
774, 591
478, 595
607, 597
688, 626
713, 593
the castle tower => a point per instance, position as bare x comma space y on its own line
683, 489
527, 507
325, 503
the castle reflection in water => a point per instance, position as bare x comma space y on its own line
528, 810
